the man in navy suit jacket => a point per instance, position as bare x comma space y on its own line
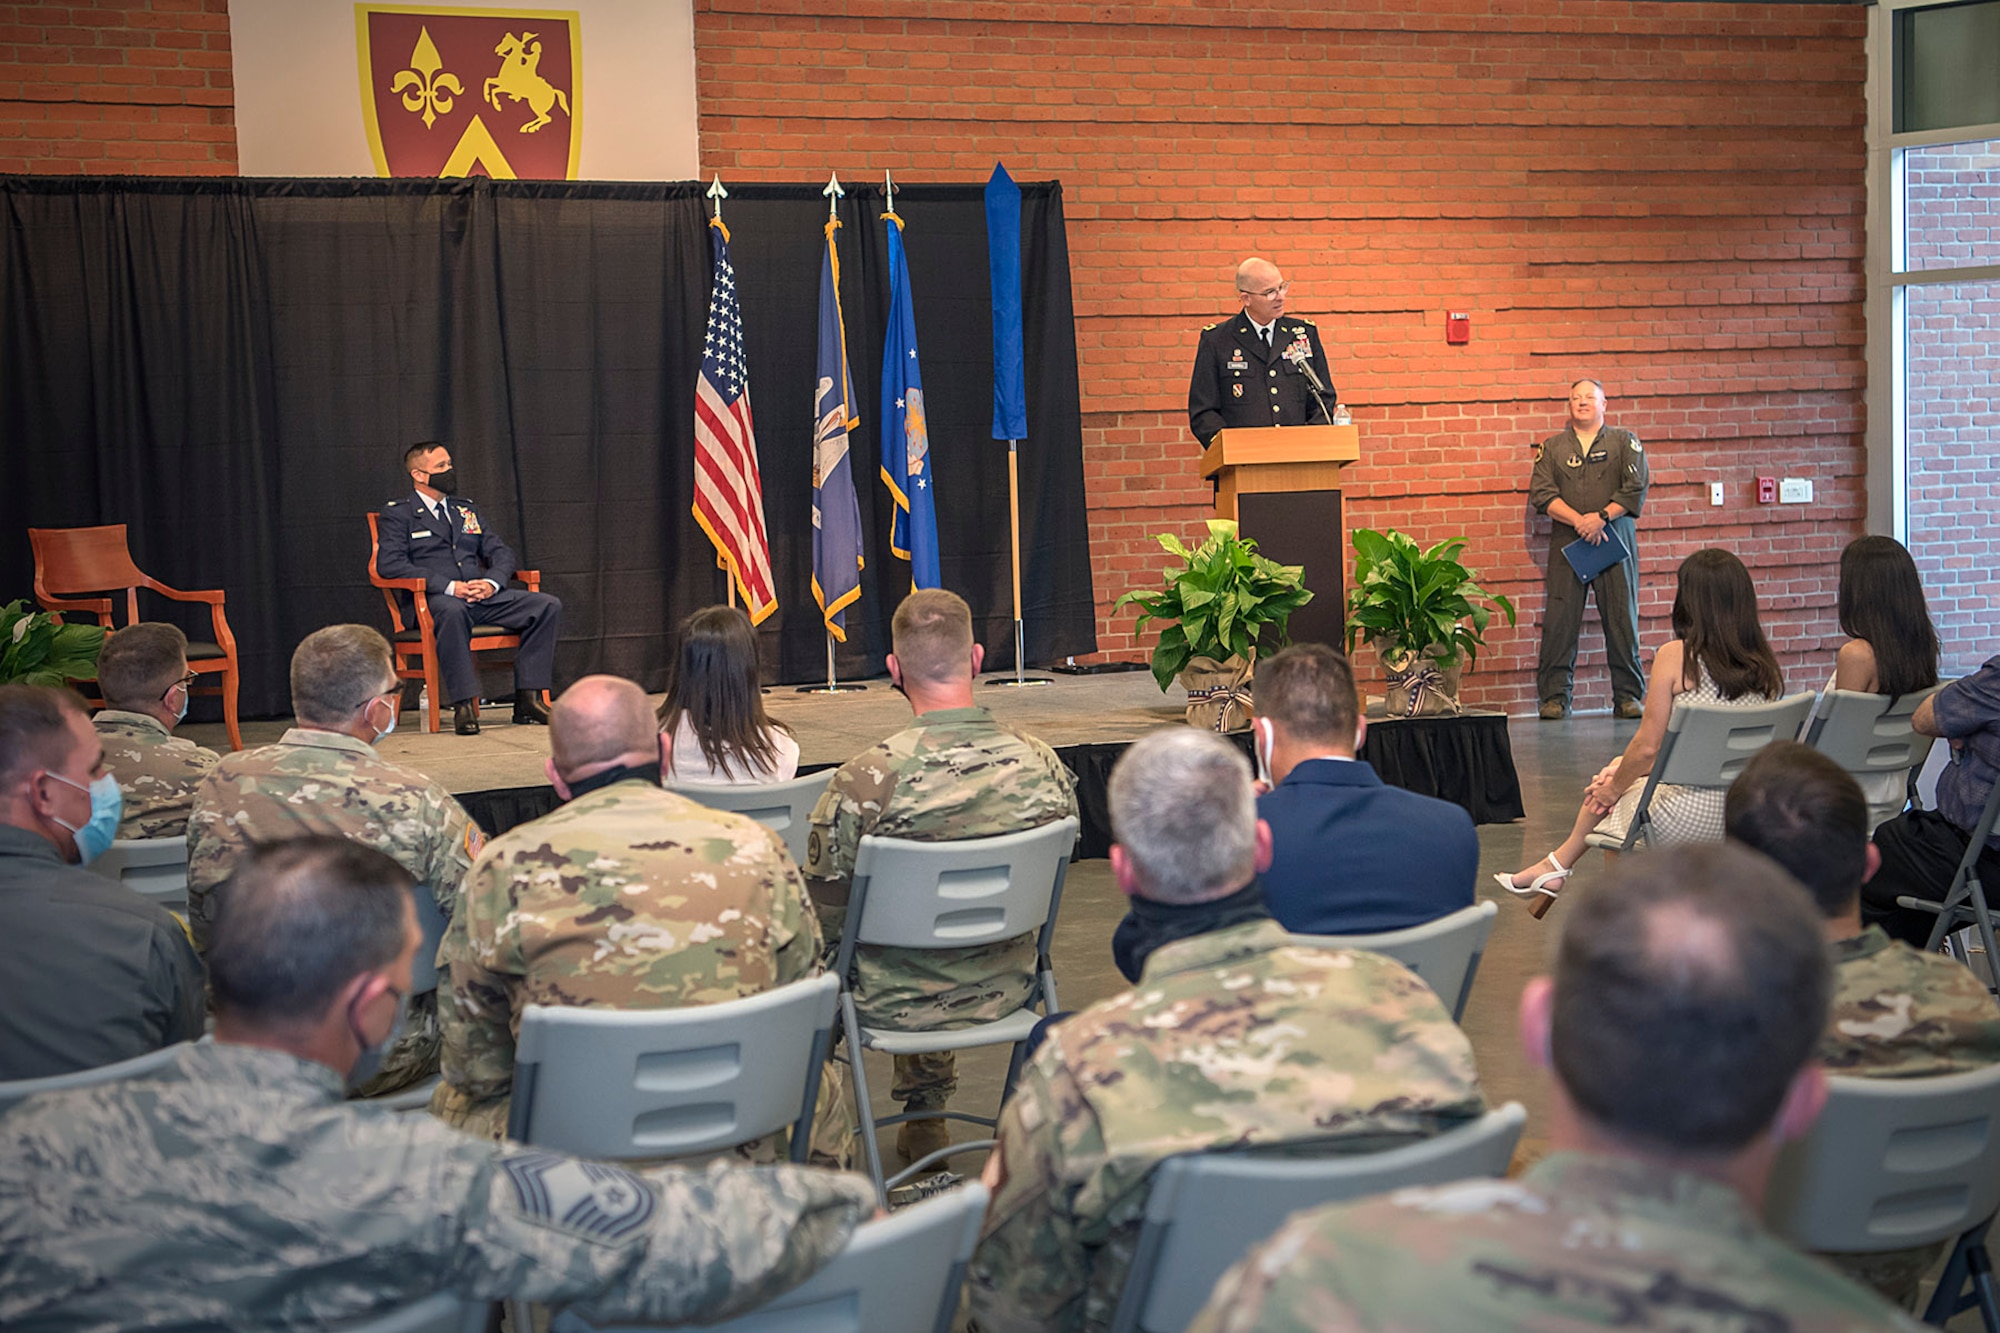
1350, 854
437, 537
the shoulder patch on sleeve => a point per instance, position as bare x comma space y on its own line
587, 1199
1538, 453
475, 840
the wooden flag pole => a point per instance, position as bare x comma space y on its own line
1014, 543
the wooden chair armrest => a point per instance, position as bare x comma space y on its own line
213, 596
531, 577
93, 606
407, 585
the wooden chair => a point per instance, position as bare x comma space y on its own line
418, 643
69, 561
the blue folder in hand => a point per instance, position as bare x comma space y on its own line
1589, 561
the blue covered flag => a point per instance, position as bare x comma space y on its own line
837, 558
1003, 259
906, 441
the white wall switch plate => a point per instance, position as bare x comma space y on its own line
1715, 492
1795, 491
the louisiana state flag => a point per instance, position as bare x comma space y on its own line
837, 558
906, 442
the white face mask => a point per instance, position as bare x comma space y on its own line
394, 716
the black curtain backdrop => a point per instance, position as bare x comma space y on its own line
233, 368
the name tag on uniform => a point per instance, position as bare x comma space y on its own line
1598, 455
425, 533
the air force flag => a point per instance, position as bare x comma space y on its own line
906, 445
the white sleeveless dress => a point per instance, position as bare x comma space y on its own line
1679, 814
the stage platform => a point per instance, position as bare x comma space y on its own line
500, 776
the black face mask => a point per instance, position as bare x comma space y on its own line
445, 481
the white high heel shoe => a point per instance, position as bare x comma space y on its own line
1545, 887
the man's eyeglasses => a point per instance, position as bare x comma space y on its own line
1269, 292
185, 682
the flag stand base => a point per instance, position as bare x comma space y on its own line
1019, 657
832, 686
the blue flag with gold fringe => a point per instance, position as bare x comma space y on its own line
837, 551
906, 443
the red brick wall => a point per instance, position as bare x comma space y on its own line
1668, 197
117, 87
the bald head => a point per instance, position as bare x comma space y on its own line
601, 722
1262, 288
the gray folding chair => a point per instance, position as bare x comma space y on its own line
897, 1275
1707, 745
153, 868
1868, 734
442, 1313
624, 1083
1205, 1210
950, 895
423, 980
1964, 905
1444, 952
19, 1090
1895, 1163
785, 808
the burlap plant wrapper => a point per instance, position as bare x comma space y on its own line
1420, 688
1218, 693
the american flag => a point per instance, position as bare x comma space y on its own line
728, 491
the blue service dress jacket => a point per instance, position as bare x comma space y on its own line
1352, 855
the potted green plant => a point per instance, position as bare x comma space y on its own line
1423, 612
1217, 606
37, 648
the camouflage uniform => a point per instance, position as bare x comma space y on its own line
1579, 1241
156, 770
235, 1190
955, 773
1232, 1039
1901, 1013
315, 781
627, 897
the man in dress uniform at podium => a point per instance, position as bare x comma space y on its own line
438, 537
1242, 376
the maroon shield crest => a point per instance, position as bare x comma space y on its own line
462, 92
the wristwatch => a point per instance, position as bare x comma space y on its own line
1605, 514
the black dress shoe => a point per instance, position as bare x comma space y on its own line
465, 719
528, 708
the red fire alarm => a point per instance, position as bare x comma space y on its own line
1767, 490
1457, 326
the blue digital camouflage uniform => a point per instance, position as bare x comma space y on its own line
236, 1190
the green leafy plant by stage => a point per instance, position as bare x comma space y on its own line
1219, 603
37, 648
1409, 603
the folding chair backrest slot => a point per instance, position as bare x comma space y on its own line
682, 1071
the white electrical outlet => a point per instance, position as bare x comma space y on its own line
1715, 492
1795, 491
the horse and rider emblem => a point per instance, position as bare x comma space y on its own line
471, 92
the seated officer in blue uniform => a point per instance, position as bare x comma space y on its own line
1350, 855
437, 537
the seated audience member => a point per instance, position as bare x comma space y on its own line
144, 674
1350, 855
323, 776
1718, 656
1235, 1038
1689, 992
1892, 647
627, 897
954, 773
1897, 1012
90, 972
712, 721
1921, 849
236, 1189
438, 537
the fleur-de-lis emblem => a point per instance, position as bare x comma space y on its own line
430, 90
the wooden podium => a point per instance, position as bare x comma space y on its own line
1282, 486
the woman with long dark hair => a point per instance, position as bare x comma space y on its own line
713, 727
1892, 647
1718, 656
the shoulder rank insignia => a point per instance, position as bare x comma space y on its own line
392, 504
1303, 320
1538, 453
589, 1199
1206, 327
